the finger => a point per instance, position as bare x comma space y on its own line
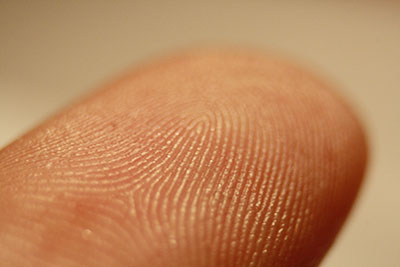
204, 159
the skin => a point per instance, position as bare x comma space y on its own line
206, 158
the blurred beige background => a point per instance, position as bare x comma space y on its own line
54, 51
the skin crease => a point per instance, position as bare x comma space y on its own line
206, 158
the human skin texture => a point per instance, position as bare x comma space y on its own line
206, 158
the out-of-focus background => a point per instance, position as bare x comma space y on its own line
51, 52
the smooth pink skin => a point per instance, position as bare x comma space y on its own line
208, 158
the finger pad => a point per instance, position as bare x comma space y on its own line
206, 159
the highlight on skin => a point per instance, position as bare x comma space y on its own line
206, 158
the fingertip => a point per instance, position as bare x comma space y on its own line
212, 158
